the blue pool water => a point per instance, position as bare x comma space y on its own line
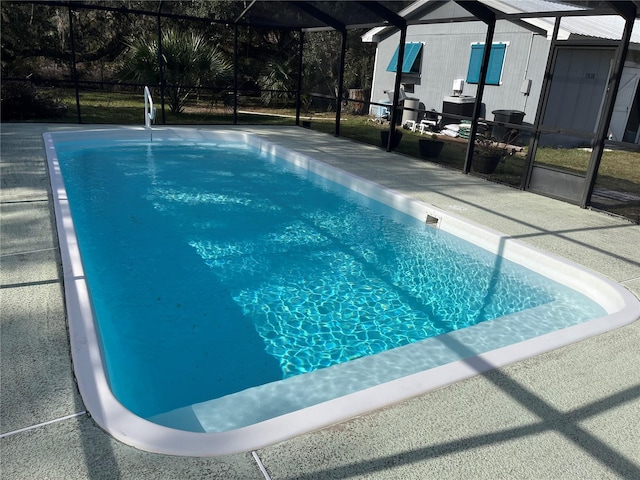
214, 269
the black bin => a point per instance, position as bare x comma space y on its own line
500, 117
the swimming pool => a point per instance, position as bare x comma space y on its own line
294, 414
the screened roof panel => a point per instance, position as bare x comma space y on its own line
281, 14
310, 15
319, 14
353, 13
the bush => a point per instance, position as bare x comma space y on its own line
22, 101
190, 60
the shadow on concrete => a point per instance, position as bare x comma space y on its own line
43, 331
551, 419
563, 234
565, 423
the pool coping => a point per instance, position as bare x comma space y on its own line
130, 429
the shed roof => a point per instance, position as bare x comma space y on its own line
591, 25
599, 26
596, 19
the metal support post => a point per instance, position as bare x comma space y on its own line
477, 106
343, 51
235, 73
161, 64
607, 111
396, 87
299, 86
544, 96
74, 72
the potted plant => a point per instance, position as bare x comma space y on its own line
430, 147
487, 154
395, 139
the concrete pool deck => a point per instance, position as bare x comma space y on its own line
571, 413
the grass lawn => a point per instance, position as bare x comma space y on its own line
619, 170
128, 109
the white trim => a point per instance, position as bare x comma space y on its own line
492, 43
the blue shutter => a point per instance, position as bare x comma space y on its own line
411, 52
394, 61
496, 60
475, 62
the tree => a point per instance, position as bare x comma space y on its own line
30, 33
36, 40
189, 61
322, 64
277, 82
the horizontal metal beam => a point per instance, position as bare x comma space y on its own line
478, 10
627, 10
384, 13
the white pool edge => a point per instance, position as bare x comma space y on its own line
622, 307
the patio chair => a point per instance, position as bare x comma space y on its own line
429, 123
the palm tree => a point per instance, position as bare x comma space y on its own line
188, 60
277, 82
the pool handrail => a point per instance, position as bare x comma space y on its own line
149, 109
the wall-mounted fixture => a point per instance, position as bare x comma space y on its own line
458, 87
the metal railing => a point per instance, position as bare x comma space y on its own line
149, 109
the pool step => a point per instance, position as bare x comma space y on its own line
267, 401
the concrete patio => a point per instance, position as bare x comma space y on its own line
573, 413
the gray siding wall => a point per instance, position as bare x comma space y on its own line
445, 57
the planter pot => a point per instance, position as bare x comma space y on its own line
430, 148
485, 163
395, 140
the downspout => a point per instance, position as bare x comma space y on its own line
526, 71
607, 111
